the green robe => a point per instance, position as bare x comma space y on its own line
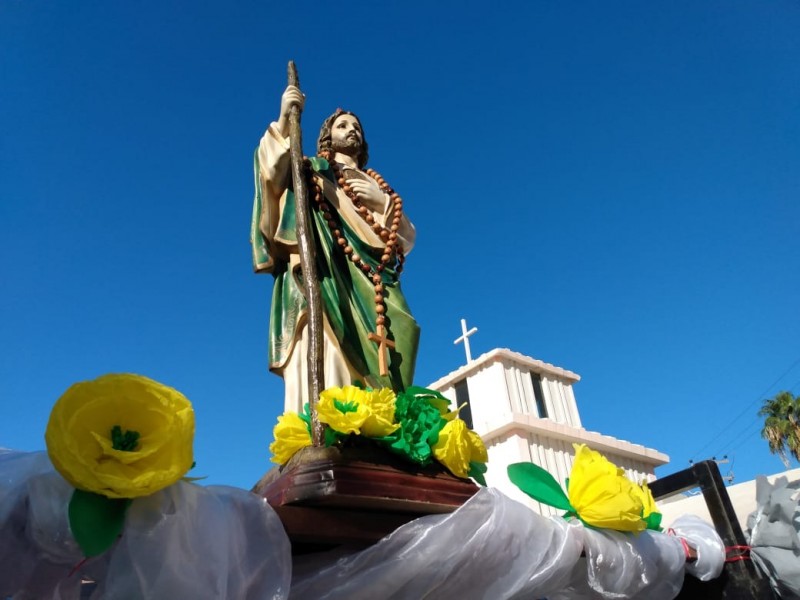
347, 293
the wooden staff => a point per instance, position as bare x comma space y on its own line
308, 264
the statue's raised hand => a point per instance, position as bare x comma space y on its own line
370, 195
292, 96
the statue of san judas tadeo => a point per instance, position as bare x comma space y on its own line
360, 237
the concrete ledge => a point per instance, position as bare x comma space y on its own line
499, 355
507, 424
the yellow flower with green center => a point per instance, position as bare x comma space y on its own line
121, 436
458, 446
291, 434
601, 495
343, 409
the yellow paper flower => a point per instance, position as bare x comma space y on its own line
121, 435
602, 495
352, 410
646, 498
453, 414
650, 513
343, 409
380, 405
291, 434
458, 446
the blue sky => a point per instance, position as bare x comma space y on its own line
611, 187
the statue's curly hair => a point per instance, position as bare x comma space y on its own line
324, 140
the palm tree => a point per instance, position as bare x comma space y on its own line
782, 425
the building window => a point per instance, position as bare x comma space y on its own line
538, 395
462, 396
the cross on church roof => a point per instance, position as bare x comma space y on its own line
465, 338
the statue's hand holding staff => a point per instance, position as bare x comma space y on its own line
292, 96
368, 193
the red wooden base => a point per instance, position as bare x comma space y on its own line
356, 495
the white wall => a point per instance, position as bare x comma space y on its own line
555, 455
505, 415
742, 495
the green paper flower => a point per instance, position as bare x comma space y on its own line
421, 415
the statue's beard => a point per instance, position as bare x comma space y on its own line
350, 146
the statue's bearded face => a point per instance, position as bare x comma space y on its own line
346, 136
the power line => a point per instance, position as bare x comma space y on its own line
738, 440
741, 438
746, 409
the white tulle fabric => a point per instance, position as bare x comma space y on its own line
218, 542
185, 541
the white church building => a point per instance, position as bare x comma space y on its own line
525, 411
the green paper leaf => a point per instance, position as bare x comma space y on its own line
418, 390
193, 479
476, 471
434, 398
330, 437
96, 521
653, 521
305, 416
539, 485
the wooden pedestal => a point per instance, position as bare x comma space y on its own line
328, 496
